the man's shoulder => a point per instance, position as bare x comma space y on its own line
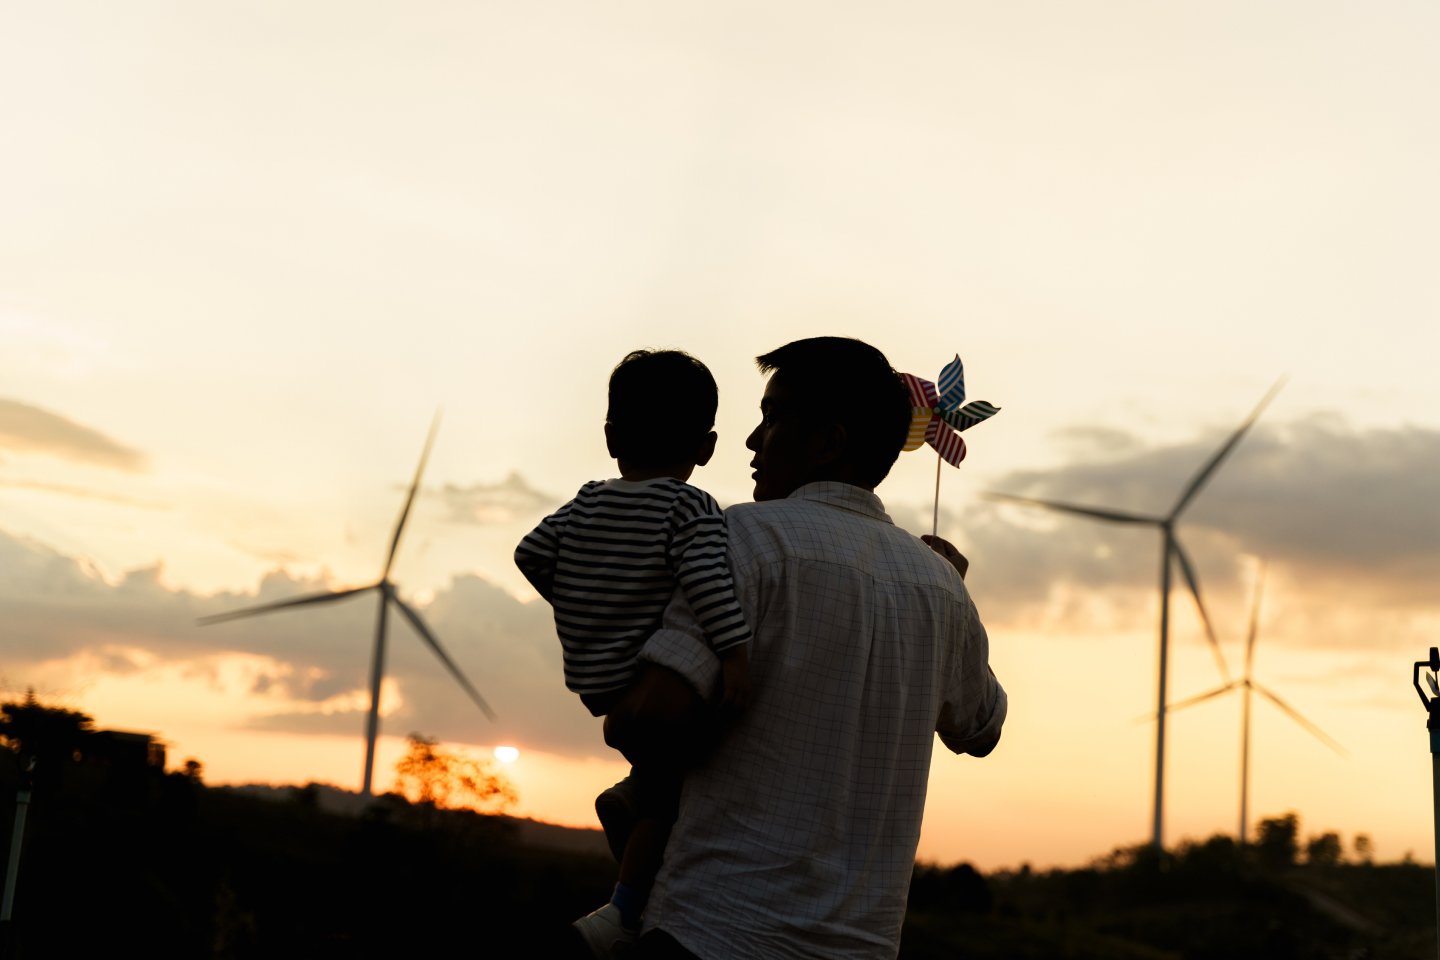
807, 529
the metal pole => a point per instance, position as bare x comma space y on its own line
377, 672
12, 869
1432, 708
1157, 838
1435, 787
1245, 765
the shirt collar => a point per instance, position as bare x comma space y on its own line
846, 496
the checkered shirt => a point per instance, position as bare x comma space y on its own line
797, 836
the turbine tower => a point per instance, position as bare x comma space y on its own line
1170, 552
388, 594
1248, 685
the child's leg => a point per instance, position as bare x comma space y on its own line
616, 809
658, 796
644, 853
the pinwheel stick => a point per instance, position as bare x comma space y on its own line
935, 521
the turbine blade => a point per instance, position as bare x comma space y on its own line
1198, 698
1188, 571
1118, 516
429, 638
410, 497
1202, 697
1321, 735
1254, 618
300, 601
1214, 462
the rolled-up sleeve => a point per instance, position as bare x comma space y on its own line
680, 645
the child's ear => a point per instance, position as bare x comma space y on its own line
609, 441
706, 451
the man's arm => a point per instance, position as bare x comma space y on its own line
974, 705
664, 713
948, 553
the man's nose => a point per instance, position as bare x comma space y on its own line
752, 442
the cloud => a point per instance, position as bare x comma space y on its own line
306, 668
494, 503
1343, 516
1346, 518
30, 429
84, 493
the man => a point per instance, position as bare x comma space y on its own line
797, 829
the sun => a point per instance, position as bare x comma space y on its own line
507, 754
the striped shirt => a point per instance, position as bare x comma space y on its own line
796, 837
609, 562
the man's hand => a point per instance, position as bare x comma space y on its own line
948, 553
735, 678
657, 720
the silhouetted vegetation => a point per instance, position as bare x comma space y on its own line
1206, 899
445, 779
124, 860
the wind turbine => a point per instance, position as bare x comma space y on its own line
388, 595
1170, 550
1247, 684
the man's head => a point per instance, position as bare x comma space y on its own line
834, 409
662, 406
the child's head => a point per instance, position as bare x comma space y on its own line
662, 406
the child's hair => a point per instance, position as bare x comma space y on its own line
662, 404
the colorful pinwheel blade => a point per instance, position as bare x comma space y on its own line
922, 392
952, 385
976, 411
922, 409
915, 439
949, 444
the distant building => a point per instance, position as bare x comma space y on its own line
125, 750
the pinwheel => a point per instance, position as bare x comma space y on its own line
938, 415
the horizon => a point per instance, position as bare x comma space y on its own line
501, 769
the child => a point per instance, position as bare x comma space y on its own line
610, 560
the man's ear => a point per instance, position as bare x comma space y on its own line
832, 444
707, 449
609, 441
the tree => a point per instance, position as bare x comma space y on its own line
1364, 848
1324, 850
433, 775
1277, 844
50, 734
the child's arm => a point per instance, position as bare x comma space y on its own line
537, 552
699, 553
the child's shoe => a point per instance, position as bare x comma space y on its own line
616, 809
604, 935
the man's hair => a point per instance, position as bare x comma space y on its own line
662, 404
851, 383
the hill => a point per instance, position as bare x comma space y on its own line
165, 867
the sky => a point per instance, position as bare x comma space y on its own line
248, 252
